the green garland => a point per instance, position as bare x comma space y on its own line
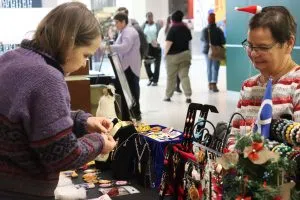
258, 181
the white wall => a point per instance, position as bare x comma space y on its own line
15, 23
159, 8
201, 9
138, 8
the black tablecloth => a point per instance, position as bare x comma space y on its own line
145, 193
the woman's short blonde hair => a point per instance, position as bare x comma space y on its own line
67, 26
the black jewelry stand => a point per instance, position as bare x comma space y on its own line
190, 121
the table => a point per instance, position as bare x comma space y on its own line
157, 151
145, 193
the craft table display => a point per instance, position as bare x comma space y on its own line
174, 179
258, 168
144, 193
157, 146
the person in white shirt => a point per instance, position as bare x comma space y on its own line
161, 39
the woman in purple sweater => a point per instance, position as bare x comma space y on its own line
39, 134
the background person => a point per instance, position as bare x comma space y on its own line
178, 57
214, 35
127, 46
151, 30
161, 39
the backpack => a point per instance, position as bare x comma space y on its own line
143, 41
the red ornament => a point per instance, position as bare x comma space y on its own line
277, 198
265, 184
226, 150
240, 197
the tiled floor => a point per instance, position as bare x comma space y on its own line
172, 114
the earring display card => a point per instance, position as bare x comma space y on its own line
119, 191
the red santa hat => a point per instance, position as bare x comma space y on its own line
250, 9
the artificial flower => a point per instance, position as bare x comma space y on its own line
258, 154
228, 160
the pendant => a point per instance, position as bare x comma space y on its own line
193, 192
140, 167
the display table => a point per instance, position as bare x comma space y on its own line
145, 193
157, 151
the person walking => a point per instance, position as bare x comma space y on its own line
178, 56
215, 36
151, 30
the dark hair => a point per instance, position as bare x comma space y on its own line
168, 24
149, 13
121, 17
278, 19
123, 9
66, 26
177, 16
211, 18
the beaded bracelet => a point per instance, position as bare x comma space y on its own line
298, 138
293, 154
276, 147
288, 131
274, 125
293, 132
279, 128
296, 156
282, 131
294, 137
283, 149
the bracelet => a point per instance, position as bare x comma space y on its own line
293, 133
279, 128
288, 131
282, 134
289, 137
283, 149
286, 128
298, 138
274, 125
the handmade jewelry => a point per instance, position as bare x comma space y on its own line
193, 192
175, 163
140, 155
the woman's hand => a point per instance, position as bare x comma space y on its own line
109, 144
99, 124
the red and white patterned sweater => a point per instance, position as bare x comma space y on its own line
285, 98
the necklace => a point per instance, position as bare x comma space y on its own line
140, 155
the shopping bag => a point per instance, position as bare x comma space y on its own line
216, 52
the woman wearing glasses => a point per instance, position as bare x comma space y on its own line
270, 41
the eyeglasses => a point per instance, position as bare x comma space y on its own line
260, 49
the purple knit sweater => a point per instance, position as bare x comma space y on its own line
39, 135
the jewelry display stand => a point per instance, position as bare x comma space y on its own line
177, 155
